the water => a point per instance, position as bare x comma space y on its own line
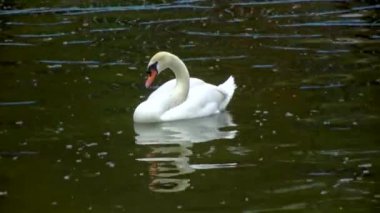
300, 134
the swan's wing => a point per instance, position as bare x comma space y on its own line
163, 90
168, 87
203, 100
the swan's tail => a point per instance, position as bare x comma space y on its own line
228, 88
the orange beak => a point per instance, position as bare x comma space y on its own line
151, 76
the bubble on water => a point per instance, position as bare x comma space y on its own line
59, 130
54, 66
93, 66
323, 192
69, 146
19, 123
345, 160
179, 207
87, 155
78, 161
366, 165
102, 154
110, 164
289, 114
47, 39
66, 177
91, 144
3, 193
35, 82
366, 172
345, 180
54, 203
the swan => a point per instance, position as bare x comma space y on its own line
183, 97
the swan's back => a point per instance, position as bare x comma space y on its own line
168, 87
203, 100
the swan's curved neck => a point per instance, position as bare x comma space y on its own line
182, 80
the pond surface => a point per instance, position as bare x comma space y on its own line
301, 133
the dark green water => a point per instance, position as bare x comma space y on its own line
301, 133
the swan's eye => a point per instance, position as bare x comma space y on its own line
151, 68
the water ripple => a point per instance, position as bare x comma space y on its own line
214, 166
328, 86
17, 103
345, 152
252, 3
13, 23
334, 51
216, 58
296, 188
42, 35
332, 24
77, 42
249, 35
17, 153
327, 13
263, 66
89, 62
110, 9
165, 21
290, 207
102, 30
51, 62
19, 44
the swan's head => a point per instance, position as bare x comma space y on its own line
159, 62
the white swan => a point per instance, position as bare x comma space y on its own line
183, 97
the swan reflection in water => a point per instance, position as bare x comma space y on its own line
170, 145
